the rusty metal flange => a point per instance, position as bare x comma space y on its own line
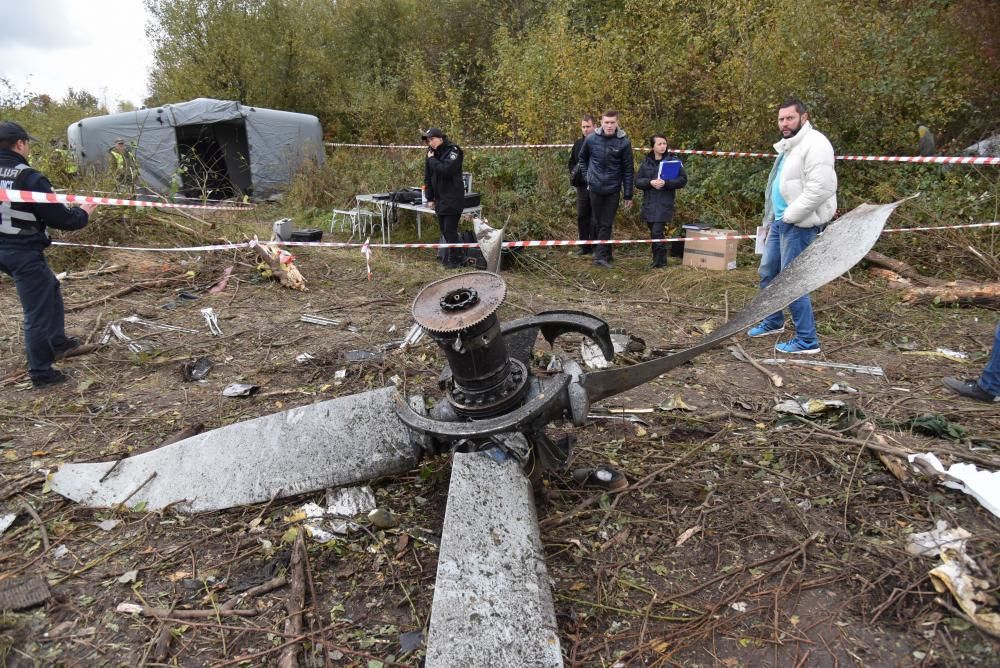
459, 302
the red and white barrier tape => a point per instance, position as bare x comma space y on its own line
31, 197
366, 246
942, 160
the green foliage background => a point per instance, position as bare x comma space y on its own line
707, 74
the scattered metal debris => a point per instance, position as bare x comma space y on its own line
304, 357
197, 369
319, 320
621, 340
981, 484
843, 387
6, 520
212, 320
361, 355
856, 368
413, 336
240, 390
162, 326
807, 407
629, 418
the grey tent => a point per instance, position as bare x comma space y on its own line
205, 147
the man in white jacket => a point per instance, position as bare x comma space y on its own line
801, 197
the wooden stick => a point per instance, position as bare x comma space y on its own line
295, 602
158, 283
772, 376
174, 613
270, 585
41, 525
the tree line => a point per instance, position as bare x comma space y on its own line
708, 74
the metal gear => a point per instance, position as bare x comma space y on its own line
459, 302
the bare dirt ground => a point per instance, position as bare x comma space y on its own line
746, 538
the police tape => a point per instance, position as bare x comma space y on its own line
32, 197
366, 246
941, 160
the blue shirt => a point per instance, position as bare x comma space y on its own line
778, 202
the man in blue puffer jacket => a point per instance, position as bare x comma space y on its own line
23, 240
606, 164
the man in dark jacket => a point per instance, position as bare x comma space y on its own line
606, 163
445, 189
23, 240
584, 217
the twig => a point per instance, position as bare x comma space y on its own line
772, 376
173, 613
270, 585
158, 283
295, 602
41, 525
121, 504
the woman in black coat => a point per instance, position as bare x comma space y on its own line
658, 195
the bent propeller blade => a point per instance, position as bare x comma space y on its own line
843, 244
337, 442
492, 598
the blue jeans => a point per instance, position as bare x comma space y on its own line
784, 243
990, 380
41, 300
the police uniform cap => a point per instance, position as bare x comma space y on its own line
11, 131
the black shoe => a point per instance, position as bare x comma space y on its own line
657, 264
54, 378
602, 263
62, 349
970, 389
586, 250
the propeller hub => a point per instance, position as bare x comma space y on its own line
459, 313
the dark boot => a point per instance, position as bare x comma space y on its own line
659, 256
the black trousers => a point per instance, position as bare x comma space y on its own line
449, 230
604, 208
41, 300
584, 219
659, 250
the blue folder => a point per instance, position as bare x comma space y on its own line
669, 169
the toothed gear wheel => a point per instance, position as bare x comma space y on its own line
459, 302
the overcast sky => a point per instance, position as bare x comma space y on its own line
50, 46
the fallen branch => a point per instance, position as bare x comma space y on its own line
270, 585
73, 275
295, 602
744, 356
963, 293
158, 283
174, 613
901, 268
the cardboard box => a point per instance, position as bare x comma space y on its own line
715, 254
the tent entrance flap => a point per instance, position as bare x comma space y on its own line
214, 160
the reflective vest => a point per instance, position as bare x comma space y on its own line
15, 218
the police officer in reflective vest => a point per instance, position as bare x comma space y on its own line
124, 166
23, 240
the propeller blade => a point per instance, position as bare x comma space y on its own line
840, 247
346, 440
492, 599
